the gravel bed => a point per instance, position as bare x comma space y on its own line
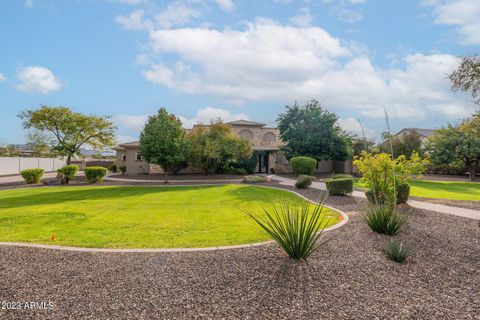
348, 278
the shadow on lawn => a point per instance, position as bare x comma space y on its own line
84, 193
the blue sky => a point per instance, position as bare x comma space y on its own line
236, 59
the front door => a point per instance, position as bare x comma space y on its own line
263, 162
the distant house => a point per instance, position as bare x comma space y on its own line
266, 145
423, 134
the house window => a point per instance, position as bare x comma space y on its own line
124, 156
246, 134
138, 156
269, 137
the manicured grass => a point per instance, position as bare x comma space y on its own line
442, 189
136, 217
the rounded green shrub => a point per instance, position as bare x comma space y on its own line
122, 169
113, 168
339, 186
402, 194
304, 181
303, 165
69, 171
32, 175
95, 174
342, 176
255, 179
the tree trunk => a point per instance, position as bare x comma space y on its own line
166, 176
69, 159
472, 171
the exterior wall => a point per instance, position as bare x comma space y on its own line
119, 158
343, 166
135, 166
13, 165
324, 166
260, 137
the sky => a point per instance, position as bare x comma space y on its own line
236, 59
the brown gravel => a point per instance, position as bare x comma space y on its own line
349, 278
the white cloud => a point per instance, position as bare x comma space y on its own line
133, 21
345, 10
282, 1
124, 139
226, 5
175, 14
206, 115
37, 80
303, 18
131, 122
352, 126
2, 77
451, 111
461, 13
136, 122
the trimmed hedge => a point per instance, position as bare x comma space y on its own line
339, 186
403, 192
304, 181
303, 165
95, 174
32, 175
342, 176
113, 168
69, 171
255, 179
122, 169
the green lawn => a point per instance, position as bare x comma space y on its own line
442, 189
136, 217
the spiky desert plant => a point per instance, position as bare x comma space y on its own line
297, 226
396, 251
383, 218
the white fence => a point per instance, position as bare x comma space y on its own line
13, 165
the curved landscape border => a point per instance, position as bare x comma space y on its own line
172, 250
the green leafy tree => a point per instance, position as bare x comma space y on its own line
70, 130
39, 142
163, 142
454, 144
215, 147
403, 145
311, 131
467, 77
361, 144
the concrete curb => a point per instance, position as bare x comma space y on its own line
173, 250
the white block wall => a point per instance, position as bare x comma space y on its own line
13, 165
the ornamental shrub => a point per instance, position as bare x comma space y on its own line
32, 175
95, 174
339, 186
402, 194
396, 251
113, 168
255, 179
342, 176
383, 175
303, 165
69, 171
122, 169
384, 219
304, 181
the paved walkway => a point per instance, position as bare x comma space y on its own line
456, 211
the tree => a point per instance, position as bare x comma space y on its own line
309, 130
162, 141
70, 130
215, 147
403, 145
39, 142
361, 144
467, 77
457, 143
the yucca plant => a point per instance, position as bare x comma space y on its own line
383, 218
297, 226
396, 251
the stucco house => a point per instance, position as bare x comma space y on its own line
266, 145
423, 134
